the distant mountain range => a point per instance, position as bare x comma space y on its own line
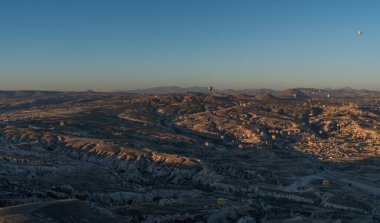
300, 92
176, 89
168, 90
26, 93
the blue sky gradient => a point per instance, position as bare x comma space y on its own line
127, 44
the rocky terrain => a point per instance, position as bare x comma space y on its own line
301, 155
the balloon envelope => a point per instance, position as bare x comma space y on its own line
326, 183
221, 201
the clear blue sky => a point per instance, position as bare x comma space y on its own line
128, 44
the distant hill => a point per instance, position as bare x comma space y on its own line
266, 97
26, 93
168, 90
293, 93
255, 92
301, 93
346, 92
176, 89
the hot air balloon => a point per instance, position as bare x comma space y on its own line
360, 33
326, 183
210, 88
221, 202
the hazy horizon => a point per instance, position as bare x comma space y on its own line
185, 87
128, 45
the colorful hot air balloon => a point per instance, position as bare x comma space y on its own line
221, 202
326, 183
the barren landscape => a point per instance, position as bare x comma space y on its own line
300, 155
